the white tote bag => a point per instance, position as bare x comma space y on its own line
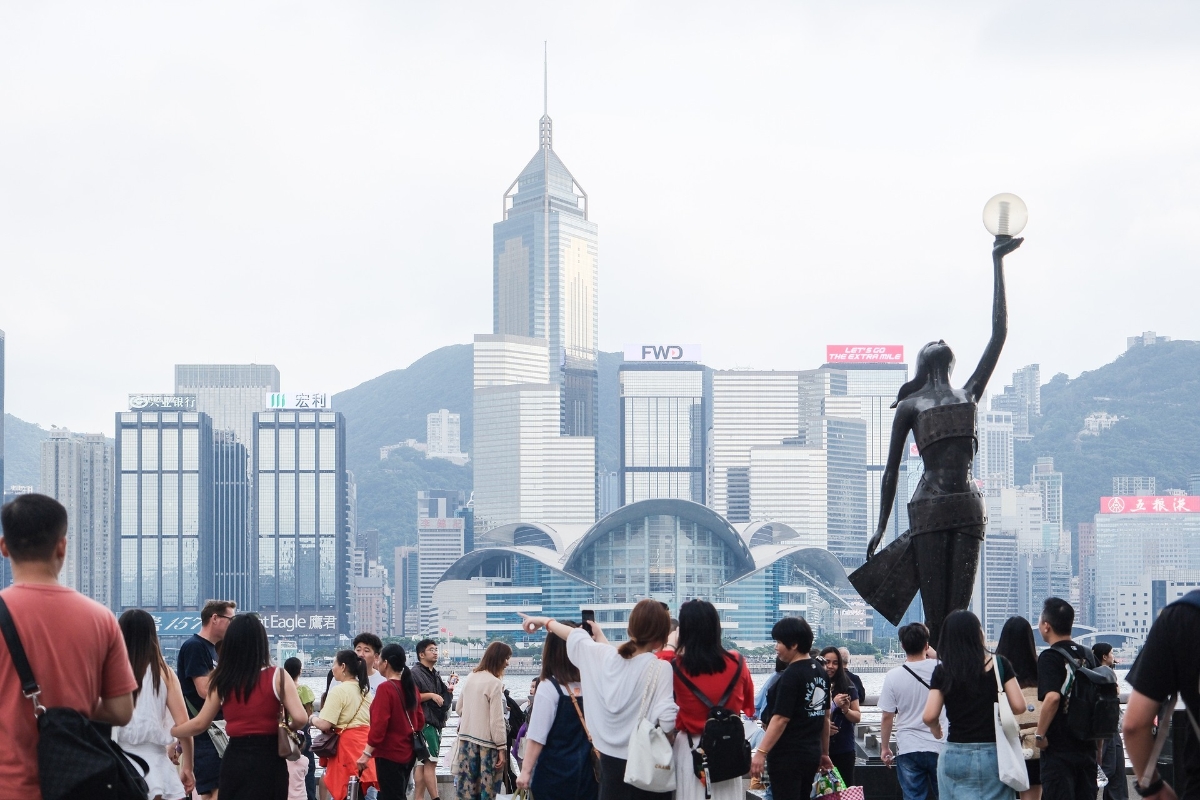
1009, 755
651, 758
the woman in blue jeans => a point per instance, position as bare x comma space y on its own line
965, 684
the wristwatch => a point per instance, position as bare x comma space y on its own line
1154, 788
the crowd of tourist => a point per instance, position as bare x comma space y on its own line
669, 711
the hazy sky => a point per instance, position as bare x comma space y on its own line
314, 184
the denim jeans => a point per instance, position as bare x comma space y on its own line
971, 772
917, 773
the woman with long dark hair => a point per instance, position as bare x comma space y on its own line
703, 666
158, 695
347, 709
396, 716
1017, 645
939, 554
844, 715
479, 761
965, 684
558, 754
250, 693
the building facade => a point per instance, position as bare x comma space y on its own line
301, 519
789, 483
233, 557
994, 464
229, 394
663, 432
441, 541
163, 511
1023, 399
443, 432
78, 471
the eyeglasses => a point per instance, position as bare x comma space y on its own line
226, 616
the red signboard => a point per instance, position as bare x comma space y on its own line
1171, 504
864, 354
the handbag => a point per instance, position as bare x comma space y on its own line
74, 758
651, 764
325, 745
1009, 756
290, 741
595, 754
216, 730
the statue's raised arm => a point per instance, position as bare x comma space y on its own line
978, 381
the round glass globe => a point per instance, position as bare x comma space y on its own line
1005, 215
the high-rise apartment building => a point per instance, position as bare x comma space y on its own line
163, 510
1019, 512
441, 540
544, 268
229, 394
442, 433
525, 470
301, 518
1049, 483
663, 443
993, 464
406, 597
233, 557
1023, 399
77, 471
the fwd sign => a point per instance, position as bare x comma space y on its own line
662, 352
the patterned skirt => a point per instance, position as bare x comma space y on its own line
478, 773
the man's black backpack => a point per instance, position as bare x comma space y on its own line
76, 758
1091, 699
724, 752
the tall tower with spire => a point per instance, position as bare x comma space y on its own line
544, 274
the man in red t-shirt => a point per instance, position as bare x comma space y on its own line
73, 644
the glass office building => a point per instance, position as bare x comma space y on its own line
233, 559
163, 511
301, 516
663, 441
229, 393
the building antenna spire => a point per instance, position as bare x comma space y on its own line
547, 135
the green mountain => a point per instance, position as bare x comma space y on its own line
22, 452
1155, 392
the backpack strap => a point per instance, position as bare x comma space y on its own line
737, 674
922, 681
29, 684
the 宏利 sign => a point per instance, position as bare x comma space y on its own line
864, 354
662, 352
1171, 504
162, 402
300, 400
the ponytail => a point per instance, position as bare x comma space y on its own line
358, 668
393, 655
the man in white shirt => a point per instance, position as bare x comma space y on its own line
902, 701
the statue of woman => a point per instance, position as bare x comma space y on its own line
939, 554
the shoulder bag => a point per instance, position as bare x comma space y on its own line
650, 765
74, 758
216, 730
595, 756
1009, 755
419, 746
325, 745
290, 741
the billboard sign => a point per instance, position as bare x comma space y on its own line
176, 623
662, 352
440, 524
318, 400
1170, 504
162, 402
864, 354
297, 623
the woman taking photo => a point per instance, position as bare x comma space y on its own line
396, 716
1016, 644
701, 662
558, 755
613, 680
844, 715
965, 684
347, 709
147, 736
249, 692
479, 760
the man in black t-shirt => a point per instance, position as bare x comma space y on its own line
796, 743
197, 657
1167, 664
435, 702
1068, 764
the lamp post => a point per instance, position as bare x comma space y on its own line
1005, 215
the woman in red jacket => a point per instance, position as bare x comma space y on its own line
395, 716
696, 650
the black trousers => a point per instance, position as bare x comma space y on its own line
614, 787
393, 778
792, 773
253, 770
1068, 776
845, 765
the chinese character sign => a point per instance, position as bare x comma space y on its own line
162, 402
1170, 504
293, 623
310, 400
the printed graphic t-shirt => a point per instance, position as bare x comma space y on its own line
802, 695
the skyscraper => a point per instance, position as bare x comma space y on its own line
77, 471
993, 462
663, 443
163, 510
1049, 483
233, 558
441, 540
789, 483
544, 277
442, 433
228, 393
845, 443
302, 519
1023, 399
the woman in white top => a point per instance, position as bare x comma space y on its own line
158, 705
613, 681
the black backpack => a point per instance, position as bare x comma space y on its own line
76, 757
1091, 699
724, 752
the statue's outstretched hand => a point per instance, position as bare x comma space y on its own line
1002, 248
873, 545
